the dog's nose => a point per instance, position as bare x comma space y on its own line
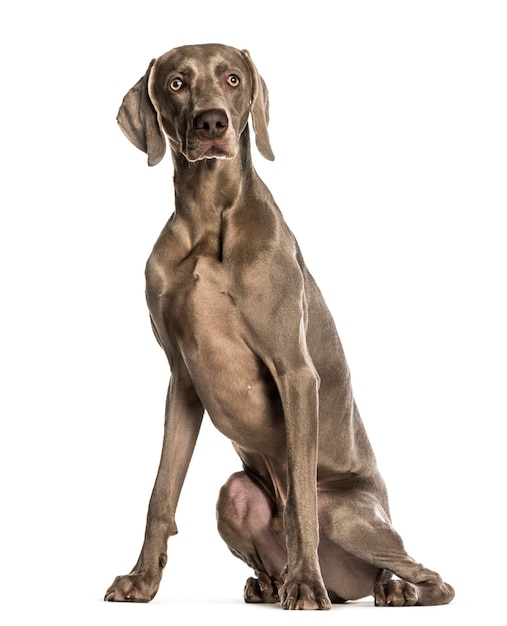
212, 123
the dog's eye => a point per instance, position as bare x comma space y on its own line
176, 84
233, 80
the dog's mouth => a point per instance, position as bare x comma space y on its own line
216, 148
210, 136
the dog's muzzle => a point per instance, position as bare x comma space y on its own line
209, 137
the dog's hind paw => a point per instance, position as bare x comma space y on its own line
402, 593
262, 589
395, 593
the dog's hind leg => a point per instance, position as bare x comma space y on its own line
358, 524
253, 530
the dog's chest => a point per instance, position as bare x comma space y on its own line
199, 290
206, 326
204, 318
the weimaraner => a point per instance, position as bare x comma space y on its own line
250, 340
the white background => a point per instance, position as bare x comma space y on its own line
389, 125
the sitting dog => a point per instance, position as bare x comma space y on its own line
249, 340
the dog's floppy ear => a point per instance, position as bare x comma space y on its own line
139, 121
259, 109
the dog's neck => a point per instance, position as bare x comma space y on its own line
208, 193
205, 188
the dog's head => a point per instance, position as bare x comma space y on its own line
200, 97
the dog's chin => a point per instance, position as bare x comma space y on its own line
211, 150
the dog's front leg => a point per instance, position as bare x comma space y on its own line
303, 586
182, 423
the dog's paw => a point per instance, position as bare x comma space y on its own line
403, 593
262, 589
304, 595
132, 588
395, 593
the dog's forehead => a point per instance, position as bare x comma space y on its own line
198, 59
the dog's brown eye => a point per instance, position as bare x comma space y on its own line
176, 84
233, 80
